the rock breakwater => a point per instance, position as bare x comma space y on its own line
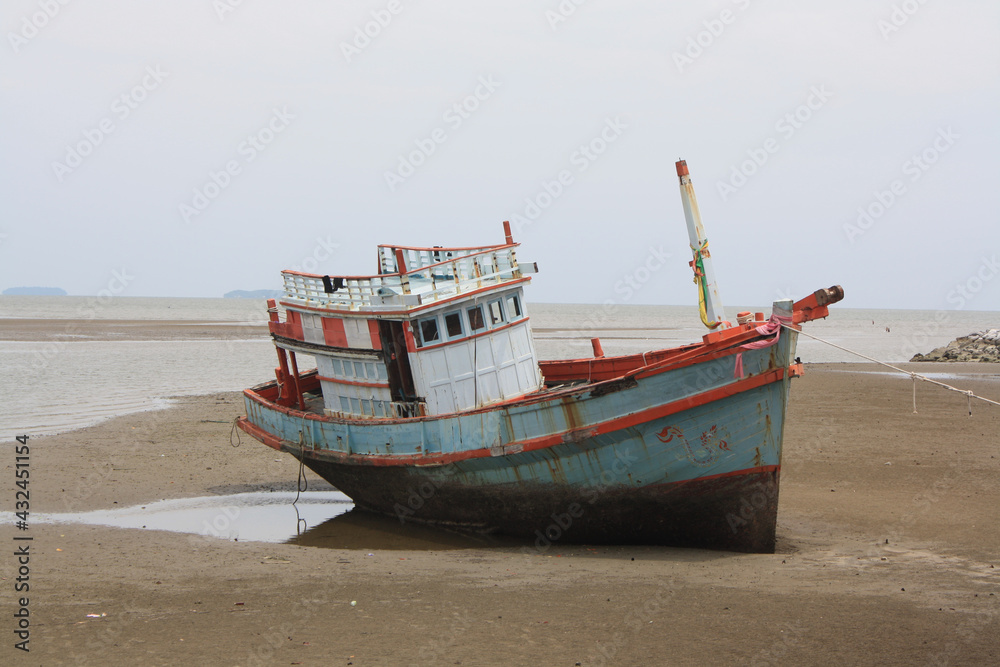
982, 346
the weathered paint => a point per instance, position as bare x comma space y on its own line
668, 453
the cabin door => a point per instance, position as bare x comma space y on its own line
397, 361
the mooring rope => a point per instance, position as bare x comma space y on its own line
236, 420
916, 376
299, 486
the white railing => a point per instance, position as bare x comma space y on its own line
424, 281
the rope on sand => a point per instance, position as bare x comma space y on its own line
915, 376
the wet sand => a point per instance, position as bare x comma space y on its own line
889, 554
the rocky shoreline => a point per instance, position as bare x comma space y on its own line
982, 346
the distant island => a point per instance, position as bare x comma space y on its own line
254, 294
34, 291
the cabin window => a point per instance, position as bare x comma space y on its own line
428, 331
338, 368
366, 407
476, 320
513, 307
359, 370
355, 406
453, 324
496, 312
345, 404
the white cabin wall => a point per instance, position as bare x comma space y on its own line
312, 328
504, 362
361, 399
358, 335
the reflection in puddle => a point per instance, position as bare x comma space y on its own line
252, 517
363, 530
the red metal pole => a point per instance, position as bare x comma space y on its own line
506, 232
295, 382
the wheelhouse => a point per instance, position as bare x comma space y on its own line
438, 330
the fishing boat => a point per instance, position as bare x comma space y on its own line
428, 404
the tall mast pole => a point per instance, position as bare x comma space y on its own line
709, 301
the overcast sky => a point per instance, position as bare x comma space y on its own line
192, 147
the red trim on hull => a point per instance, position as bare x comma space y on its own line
736, 473
543, 442
257, 432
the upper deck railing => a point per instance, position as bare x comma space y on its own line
428, 275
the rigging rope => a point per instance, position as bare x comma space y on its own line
916, 376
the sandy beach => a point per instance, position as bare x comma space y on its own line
889, 554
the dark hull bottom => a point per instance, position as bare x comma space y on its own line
735, 512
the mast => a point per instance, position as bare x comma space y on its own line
709, 301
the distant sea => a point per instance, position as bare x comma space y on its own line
50, 387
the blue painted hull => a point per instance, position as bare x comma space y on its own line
685, 455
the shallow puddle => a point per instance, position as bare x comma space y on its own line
251, 517
323, 519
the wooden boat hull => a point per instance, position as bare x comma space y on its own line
682, 452
732, 512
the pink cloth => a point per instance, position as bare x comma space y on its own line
772, 326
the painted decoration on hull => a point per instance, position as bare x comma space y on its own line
706, 453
